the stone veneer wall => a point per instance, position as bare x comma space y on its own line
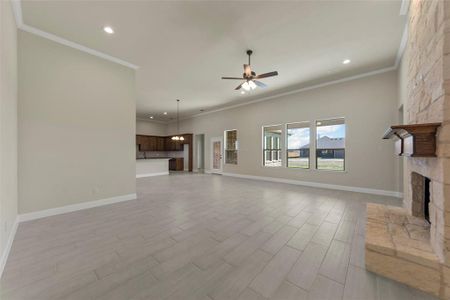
428, 100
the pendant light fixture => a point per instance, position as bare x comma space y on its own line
178, 137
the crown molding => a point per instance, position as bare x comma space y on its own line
312, 87
151, 121
17, 10
402, 46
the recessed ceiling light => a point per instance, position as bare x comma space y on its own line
242, 92
346, 61
165, 113
108, 30
151, 117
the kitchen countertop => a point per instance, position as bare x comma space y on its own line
152, 166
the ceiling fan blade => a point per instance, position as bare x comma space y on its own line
260, 84
239, 86
270, 74
237, 78
247, 70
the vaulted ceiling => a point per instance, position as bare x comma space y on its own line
182, 48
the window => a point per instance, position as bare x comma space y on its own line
272, 146
298, 144
330, 144
231, 147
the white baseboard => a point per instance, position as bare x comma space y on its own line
52, 212
74, 207
151, 174
214, 173
320, 185
8, 246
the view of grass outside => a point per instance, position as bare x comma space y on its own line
298, 140
298, 162
330, 164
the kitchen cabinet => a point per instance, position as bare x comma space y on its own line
171, 145
150, 143
160, 144
176, 164
165, 143
153, 143
143, 142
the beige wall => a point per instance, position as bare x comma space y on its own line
76, 126
150, 128
8, 122
368, 104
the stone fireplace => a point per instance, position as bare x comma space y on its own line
411, 244
420, 187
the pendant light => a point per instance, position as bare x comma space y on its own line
178, 137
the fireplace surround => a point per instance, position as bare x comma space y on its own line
411, 244
420, 186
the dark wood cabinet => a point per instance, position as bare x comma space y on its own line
179, 145
160, 146
153, 143
165, 143
171, 145
176, 164
143, 142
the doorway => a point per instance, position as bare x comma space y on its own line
200, 152
216, 155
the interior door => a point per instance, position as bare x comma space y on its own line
216, 155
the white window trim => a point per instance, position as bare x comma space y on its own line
311, 142
312, 148
282, 142
225, 147
315, 144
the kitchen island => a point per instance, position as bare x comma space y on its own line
152, 167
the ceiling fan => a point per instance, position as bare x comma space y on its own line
249, 77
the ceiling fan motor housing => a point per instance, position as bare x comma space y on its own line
245, 75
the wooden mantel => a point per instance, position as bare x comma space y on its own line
415, 140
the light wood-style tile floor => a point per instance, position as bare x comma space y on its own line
203, 237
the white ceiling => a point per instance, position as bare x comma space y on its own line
182, 48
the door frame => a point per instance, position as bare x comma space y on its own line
212, 141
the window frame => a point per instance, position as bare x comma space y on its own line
225, 149
279, 150
344, 170
310, 145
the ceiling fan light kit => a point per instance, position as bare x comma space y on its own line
249, 77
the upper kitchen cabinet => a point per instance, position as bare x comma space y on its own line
160, 146
142, 142
160, 143
172, 145
147, 143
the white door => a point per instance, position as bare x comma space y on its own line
216, 155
